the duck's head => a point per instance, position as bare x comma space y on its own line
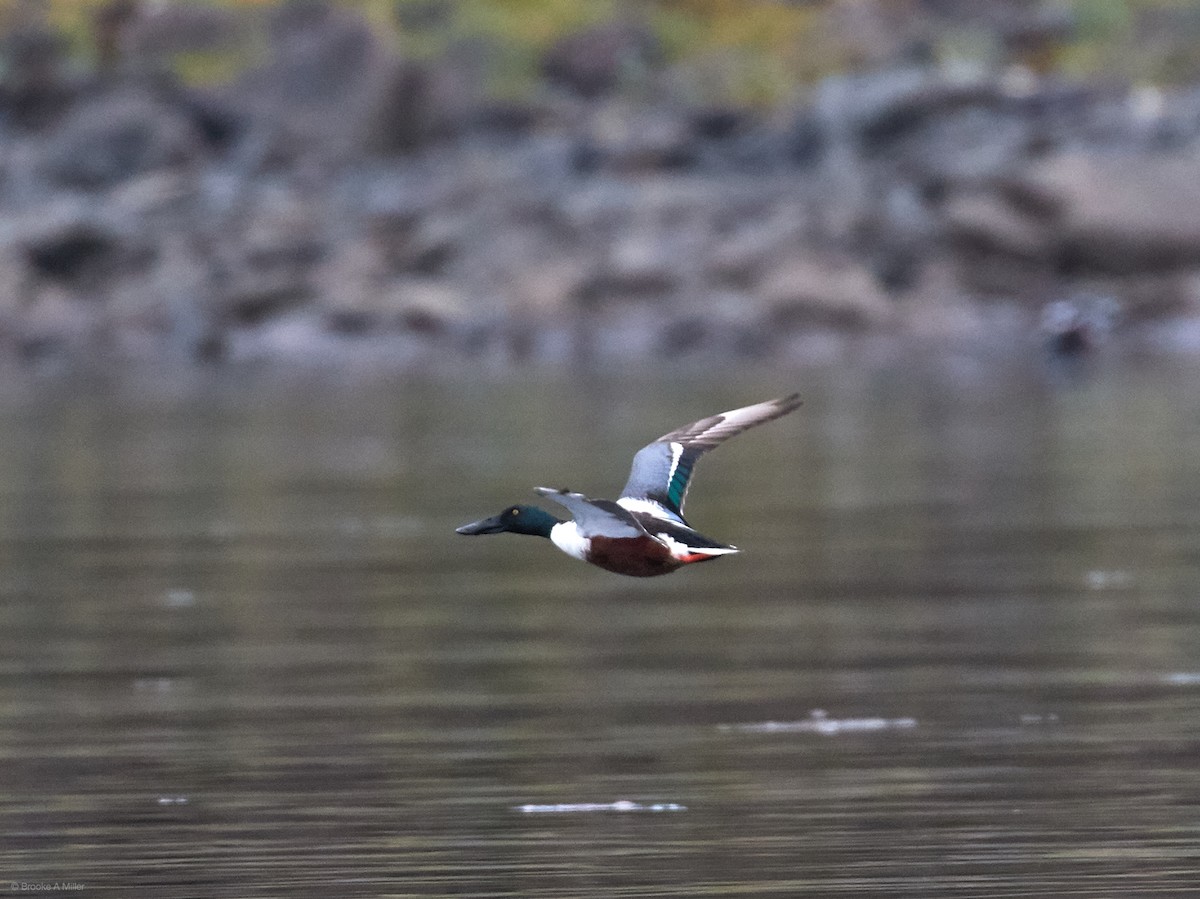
515, 520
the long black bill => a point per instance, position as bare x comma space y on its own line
493, 525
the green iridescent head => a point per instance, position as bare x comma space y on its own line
514, 520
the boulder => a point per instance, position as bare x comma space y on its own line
632, 140
728, 323
148, 35
153, 196
826, 292
165, 307
117, 135
15, 284
1113, 213
984, 221
637, 267
937, 308
547, 288
331, 91
874, 108
72, 243
359, 293
595, 60
55, 322
348, 287
268, 264
36, 90
425, 306
739, 258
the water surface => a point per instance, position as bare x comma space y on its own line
242, 652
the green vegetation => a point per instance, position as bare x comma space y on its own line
755, 51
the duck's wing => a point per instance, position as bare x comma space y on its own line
661, 471
681, 539
595, 517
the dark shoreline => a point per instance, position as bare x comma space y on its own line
388, 217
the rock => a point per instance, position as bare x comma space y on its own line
412, 242
78, 255
875, 108
1188, 294
72, 244
985, 222
1077, 214
407, 105
150, 34
348, 287
740, 257
36, 91
837, 293
291, 335
55, 323
433, 308
938, 309
966, 146
804, 139
432, 247
638, 267
1112, 213
1143, 298
726, 323
594, 61
118, 135
16, 283
254, 216
898, 235
138, 313
718, 122
169, 305
631, 140
111, 23
359, 294
330, 91
547, 289
269, 264
151, 196
512, 117
873, 33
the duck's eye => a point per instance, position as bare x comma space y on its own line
514, 511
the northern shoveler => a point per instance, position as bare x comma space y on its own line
642, 533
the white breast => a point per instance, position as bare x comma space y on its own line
565, 535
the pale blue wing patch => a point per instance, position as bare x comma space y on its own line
660, 474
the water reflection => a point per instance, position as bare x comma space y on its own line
242, 652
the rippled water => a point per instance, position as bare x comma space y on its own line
242, 652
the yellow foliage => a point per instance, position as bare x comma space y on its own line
531, 22
763, 49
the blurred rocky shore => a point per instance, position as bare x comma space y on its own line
337, 199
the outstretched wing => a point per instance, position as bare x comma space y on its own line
662, 470
681, 539
595, 517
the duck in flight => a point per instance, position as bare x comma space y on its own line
643, 532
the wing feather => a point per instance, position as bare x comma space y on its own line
662, 470
595, 517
